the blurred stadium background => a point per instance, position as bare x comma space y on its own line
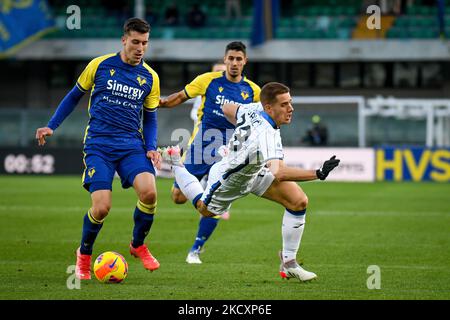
383, 87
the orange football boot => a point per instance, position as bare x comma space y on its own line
83, 266
142, 252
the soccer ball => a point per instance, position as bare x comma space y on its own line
110, 267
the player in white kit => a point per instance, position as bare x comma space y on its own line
253, 163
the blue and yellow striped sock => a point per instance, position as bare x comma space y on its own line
206, 227
143, 220
91, 228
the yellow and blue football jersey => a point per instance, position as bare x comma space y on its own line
215, 90
119, 91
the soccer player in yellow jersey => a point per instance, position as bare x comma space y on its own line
212, 129
218, 66
120, 136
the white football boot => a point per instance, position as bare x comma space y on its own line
193, 258
291, 269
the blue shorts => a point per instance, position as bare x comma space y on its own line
101, 163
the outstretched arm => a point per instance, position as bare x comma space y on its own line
173, 100
66, 107
286, 173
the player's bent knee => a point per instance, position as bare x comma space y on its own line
100, 211
148, 196
299, 204
178, 197
179, 200
203, 209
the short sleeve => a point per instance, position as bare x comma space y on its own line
248, 108
152, 100
270, 145
198, 86
86, 79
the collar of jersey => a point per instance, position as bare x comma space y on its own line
269, 119
224, 75
127, 64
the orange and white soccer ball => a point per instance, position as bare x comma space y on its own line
110, 267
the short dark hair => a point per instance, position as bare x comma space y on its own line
136, 24
237, 46
270, 91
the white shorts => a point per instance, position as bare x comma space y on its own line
220, 193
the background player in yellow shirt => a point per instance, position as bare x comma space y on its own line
218, 66
212, 130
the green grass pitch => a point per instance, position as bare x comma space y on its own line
403, 228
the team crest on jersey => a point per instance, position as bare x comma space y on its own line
111, 72
220, 89
91, 172
244, 95
141, 80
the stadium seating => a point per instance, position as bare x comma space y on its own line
419, 22
304, 19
